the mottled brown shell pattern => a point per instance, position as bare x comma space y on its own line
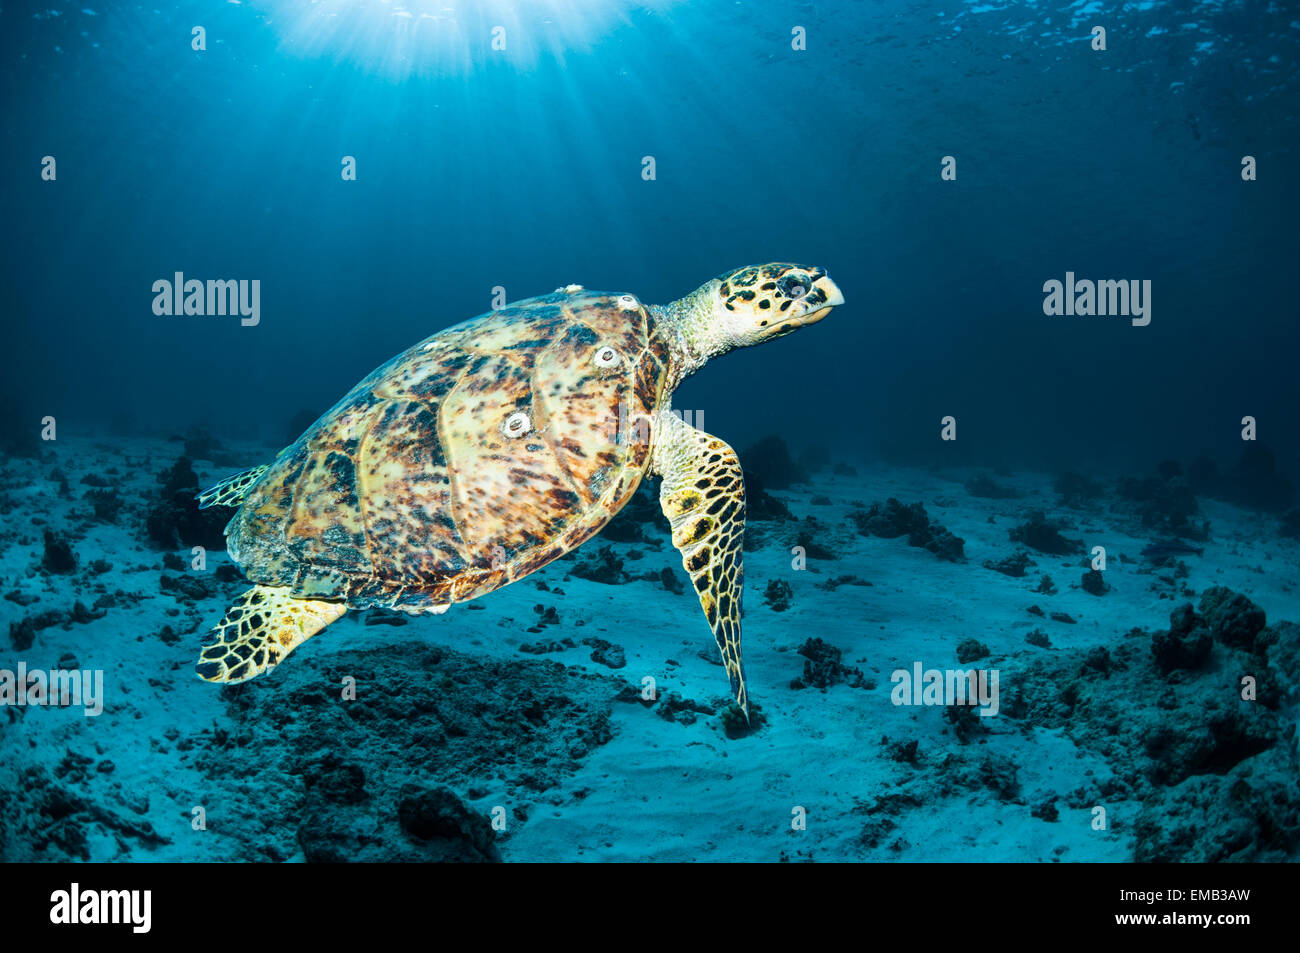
465, 463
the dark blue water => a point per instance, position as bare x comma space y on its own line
522, 169
803, 132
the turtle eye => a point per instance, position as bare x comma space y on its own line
793, 286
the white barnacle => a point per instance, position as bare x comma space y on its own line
569, 289
606, 357
628, 302
517, 424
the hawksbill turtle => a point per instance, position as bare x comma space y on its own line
493, 447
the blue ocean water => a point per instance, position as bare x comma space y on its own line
385, 170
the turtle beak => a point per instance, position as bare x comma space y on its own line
819, 300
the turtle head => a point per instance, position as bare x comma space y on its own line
761, 302
746, 306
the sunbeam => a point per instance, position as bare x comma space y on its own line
403, 38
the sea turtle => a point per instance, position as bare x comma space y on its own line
493, 447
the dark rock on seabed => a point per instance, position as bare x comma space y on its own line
1211, 763
1013, 565
823, 667
1076, 490
893, 519
1045, 536
602, 565
770, 461
423, 718
58, 557
778, 595
760, 505
175, 520
1095, 583
440, 820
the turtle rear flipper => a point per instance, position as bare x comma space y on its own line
231, 490
264, 625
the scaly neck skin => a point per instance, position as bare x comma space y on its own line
692, 331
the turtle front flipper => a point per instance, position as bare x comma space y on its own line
703, 496
264, 625
231, 490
